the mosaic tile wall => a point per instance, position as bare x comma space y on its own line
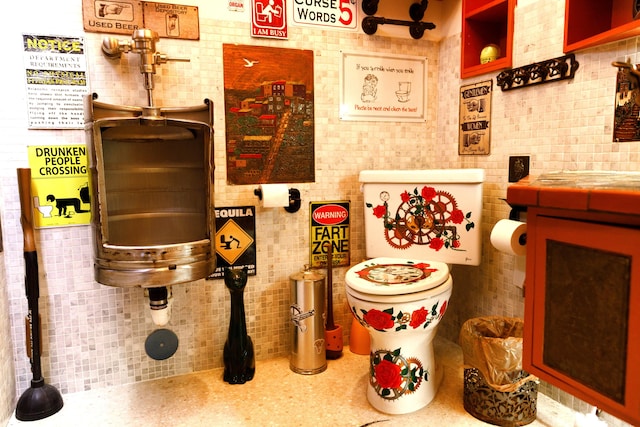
7, 378
95, 334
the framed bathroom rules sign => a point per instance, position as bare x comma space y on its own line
475, 118
375, 87
55, 70
329, 225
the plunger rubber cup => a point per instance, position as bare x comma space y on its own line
39, 401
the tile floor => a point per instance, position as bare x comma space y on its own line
276, 397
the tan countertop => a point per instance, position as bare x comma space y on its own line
276, 397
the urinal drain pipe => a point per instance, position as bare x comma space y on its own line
159, 305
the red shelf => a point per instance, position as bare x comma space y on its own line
590, 23
486, 22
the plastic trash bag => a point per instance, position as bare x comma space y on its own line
493, 345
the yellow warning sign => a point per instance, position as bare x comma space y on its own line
232, 241
60, 185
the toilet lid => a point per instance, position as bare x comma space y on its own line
396, 276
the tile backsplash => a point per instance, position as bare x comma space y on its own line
94, 334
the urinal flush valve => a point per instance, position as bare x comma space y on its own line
143, 42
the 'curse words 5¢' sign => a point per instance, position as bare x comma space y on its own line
338, 14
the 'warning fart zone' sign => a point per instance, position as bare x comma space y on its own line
329, 225
60, 185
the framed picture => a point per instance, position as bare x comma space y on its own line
269, 114
475, 118
376, 87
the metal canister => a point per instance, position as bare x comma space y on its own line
308, 353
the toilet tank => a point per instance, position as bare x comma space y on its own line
424, 214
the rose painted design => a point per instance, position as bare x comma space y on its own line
428, 193
378, 319
387, 374
436, 243
383, 320
379, 211
418, 317
425, 217
457, 216
393, 375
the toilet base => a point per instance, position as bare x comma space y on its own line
402, 379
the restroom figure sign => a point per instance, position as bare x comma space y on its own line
269, 19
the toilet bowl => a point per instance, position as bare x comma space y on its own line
400, 302
411, 216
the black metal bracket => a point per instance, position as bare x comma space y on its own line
551, 70
416, 12
295, 202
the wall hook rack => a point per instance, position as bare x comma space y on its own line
416, 12
551, 70
294, 199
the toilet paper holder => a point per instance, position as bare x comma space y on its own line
294, 199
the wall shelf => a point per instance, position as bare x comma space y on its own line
486, 22
590, 23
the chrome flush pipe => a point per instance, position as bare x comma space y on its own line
143, 42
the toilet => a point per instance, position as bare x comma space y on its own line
417, 223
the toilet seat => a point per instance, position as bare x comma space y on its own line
382, 278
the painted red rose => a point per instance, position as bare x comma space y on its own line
425, 268
457, 216
379, 211
436, 243
388, 374
443, 308
456, 243
405, 197
428, 193
418, 317
378, 319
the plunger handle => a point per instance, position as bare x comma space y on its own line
330, 324
32, 285
26, 209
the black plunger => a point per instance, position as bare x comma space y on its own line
40, 400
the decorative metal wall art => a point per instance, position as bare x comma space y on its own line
626, 120
551, 70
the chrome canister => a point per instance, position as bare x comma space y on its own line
308, 354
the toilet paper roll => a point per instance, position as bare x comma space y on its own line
509, 236
275, 195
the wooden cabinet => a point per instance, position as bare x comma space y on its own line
486, 22
582, 289
589, 23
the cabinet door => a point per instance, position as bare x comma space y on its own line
585, 313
